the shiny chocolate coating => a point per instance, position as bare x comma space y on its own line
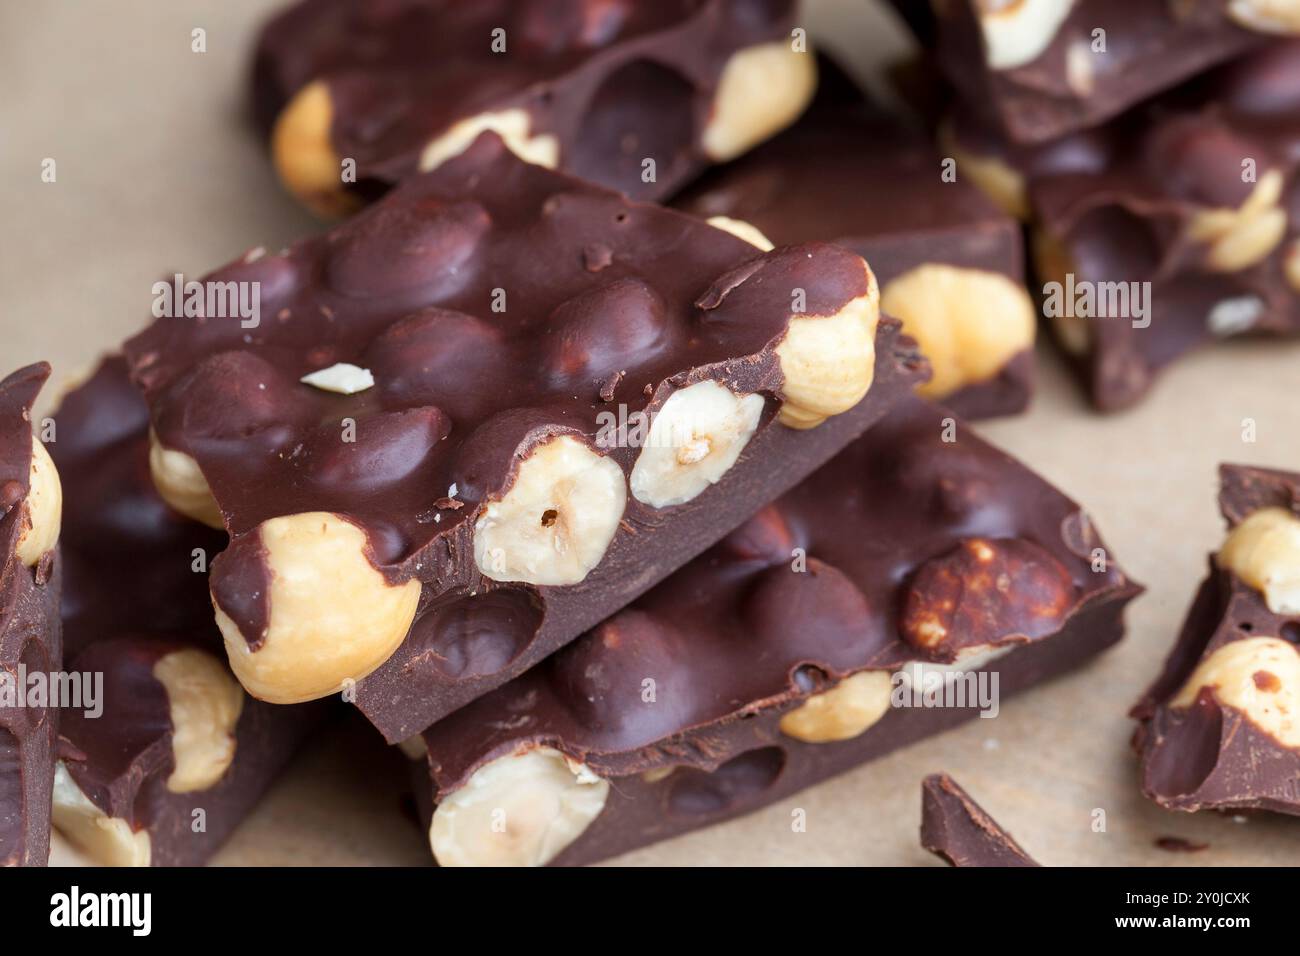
614, 81
958, 830
31, 641
136, 591
1210, 754
462, 392
810, 591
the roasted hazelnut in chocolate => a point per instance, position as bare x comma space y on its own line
31, 645
906, 586
174, 754
1174, 226
484, 414
1220, 727
957, 829
950, 264
636, 96
1043, 68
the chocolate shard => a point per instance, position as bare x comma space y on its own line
955, 828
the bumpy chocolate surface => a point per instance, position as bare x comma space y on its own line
133, 595
851, 174
615, 81
1126, 203
901, 526
1210, 754
1150, 45
30, 639
611, 307
955, 828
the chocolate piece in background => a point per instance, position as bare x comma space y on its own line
31, 642
1220, 727
1039, 69
482, 466
950, 265
1188, 206
955, 828
179, 754
743, 678
593, 87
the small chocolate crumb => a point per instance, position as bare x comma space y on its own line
609, 385
597, 256
648, 390
1173, 844
452, 504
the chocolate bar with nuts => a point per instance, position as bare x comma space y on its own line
911, 583
484, 414
1175, 226
174, 754
957, 829
1041, 69
1220, 728
636, 96
950, 264
31, 641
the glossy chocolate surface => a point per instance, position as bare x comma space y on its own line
30, 639
739, 637
956, 829
1211, 755
134, 593
851, 174
615, 81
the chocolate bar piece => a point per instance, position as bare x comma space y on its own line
171, 754
1175, 226
636, 96
489, 411
1041, 69
950, 265
31, 641
1220, 728
955, 828
909, 569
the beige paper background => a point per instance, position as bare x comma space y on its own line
158, 172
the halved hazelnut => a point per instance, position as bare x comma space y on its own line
304, 155
968, 322
44, 508
742, 230
331, 615
107, 840
829, 361
845, 711
1259, 676
693, 441
514, 126
1017, 32
1266, 16
554, 524
205, 702
762, 90
523, 809
1264, 551
181, 484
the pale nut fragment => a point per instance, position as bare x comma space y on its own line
332, 616
205, 702
693, 441
181, 484
554, 524
1017, 32
1052, 264
843, 712
1291, 266
762, 90
829, 361
1266, 16
414, 748
107, 840
1259, 676
993, 176
1264, 551
342, 378
514, 126
44, 507
304, 154
522, 809
968, 322
742, 230
1240, 238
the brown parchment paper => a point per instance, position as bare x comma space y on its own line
158, 172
